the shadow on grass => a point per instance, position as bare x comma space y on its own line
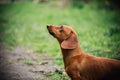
114, 34
77, 4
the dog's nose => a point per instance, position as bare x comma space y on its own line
48, 26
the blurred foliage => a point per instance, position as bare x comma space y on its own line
108, 4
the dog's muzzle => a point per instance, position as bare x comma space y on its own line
48, 27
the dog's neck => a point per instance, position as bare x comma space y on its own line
69, 53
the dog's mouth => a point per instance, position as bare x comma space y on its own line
52, 33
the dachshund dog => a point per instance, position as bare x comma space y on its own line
79, 65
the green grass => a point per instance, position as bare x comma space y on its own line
24, 24
56, 76
28, 62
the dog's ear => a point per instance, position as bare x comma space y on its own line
71, 42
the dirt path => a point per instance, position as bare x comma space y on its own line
19, 64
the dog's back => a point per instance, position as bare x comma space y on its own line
95, 68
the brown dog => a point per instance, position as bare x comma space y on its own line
81, 66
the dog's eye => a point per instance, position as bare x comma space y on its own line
61, 28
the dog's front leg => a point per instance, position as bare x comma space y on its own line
75, 78
73, 74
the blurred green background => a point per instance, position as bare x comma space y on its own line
23, 23
97, 23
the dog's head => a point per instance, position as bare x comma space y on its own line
65, 35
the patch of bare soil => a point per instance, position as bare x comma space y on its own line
22, 64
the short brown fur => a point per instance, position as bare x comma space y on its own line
79, 65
